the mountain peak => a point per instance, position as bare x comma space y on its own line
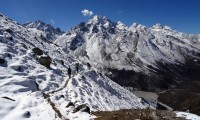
1, 15
99, 20
47, 28
99, 17
121, 25
38, 24
135, 26
159, 26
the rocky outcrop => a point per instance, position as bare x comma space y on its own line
83, 108
45, 61
37, 51
70, 104
2, 61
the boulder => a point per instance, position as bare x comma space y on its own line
82, 108
37, 51
2, 61
27, 114
11, 38
70, 104
45, 61
9, 30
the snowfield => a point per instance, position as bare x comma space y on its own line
31, 90
188, 116
109, 44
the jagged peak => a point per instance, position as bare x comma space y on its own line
40, 25
157, 26
136, 25
121, 25
1, 15
119, 22
97, 19
160, 26
37, 23
40, 22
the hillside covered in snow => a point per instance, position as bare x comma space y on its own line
35, 83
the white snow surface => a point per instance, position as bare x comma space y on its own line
51, 33
23, 81
188, 116
114, 45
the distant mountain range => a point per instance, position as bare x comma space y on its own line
51, 32
154, 59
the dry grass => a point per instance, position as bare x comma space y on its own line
143, 114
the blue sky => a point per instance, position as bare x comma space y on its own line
182, 15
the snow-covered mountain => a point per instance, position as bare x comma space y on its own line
135, 56
51, 33
34, 79
34, 82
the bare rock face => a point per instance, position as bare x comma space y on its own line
45, 61
37, 51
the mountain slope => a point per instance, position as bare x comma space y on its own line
143, 58
35, 84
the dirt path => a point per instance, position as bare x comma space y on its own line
47, 97
65, 85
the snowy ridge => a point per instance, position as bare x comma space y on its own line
147, 51
113, 42
28, 87
51, 32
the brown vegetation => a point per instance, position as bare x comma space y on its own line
139, 114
